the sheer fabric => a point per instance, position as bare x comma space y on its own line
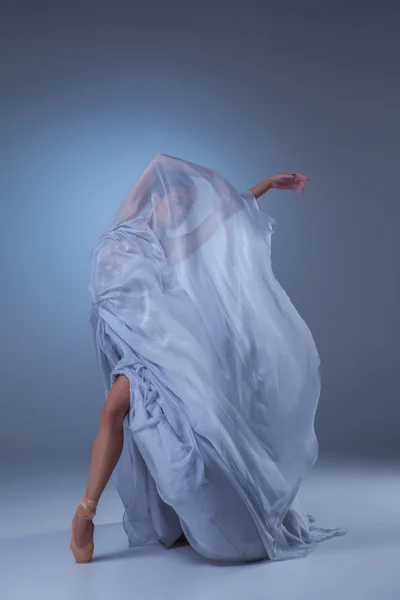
224, 373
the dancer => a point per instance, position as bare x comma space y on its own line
211, 376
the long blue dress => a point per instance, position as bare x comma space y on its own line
224, 378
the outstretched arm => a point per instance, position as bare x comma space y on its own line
281, 181
261, 188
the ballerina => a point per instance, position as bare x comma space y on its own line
211, 376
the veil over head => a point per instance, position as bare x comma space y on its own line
224, 373
174, 197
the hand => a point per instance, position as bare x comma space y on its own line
289, 181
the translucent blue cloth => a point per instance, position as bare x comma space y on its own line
224, 373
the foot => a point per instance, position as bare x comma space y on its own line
82, 531
182, 540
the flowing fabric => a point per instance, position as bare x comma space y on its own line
224, 373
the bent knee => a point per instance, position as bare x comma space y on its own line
117, 402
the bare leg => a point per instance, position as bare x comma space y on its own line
106, 451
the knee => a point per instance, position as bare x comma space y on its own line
117, 403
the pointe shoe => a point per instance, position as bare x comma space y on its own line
86, 510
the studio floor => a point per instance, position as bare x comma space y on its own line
38, 503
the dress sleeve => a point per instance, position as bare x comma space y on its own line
250, 199
259, 216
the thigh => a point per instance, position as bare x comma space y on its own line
117, 402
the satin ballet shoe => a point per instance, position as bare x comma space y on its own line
86, 510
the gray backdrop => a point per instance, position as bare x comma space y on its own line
92, 90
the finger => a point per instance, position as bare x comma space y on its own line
297, 176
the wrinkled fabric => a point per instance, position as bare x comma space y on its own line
223, 371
